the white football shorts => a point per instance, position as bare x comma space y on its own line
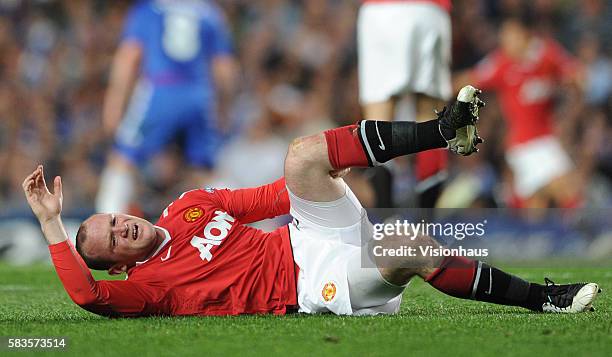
326, 241
403, 47
536, 163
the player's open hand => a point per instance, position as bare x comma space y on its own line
44, 204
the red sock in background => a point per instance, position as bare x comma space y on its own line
429, 163
572, 202
344, 148
454, 277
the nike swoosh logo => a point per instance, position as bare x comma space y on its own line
167, 255
381, 145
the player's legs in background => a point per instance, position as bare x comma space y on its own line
562, 192
543, 174
202, 139
380, 178
432, 84
117, 185
382, 74
566, 190
379, 110
402, 52
429, 166
147, 127
117, 182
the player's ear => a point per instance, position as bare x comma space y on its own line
117, 269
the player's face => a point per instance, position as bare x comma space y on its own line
514, 38
120, 238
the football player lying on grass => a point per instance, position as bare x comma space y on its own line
200, 258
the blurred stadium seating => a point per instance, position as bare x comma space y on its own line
299, 76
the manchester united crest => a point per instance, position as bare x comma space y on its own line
192, 214
329, 291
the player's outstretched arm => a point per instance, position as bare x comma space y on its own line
46, 205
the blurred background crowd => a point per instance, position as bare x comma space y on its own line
298, 75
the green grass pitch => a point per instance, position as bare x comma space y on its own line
33, 303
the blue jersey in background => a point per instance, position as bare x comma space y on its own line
179, 38
175, 93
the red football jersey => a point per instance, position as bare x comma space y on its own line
525, 88
209, 264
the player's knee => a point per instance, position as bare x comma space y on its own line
397, 276
423, 243
293, 161
424, 240
411, 250
409, 260
305, 151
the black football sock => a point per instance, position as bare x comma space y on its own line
495, 286
470, 279
383, 140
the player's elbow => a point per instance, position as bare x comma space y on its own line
83, 300
93, 305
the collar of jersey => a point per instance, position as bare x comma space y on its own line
161, 246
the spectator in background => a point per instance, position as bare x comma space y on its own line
589, 16
404, 51
598, 70
525, 73
173, 60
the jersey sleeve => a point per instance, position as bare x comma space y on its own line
565, 65
257, 203
487, 74
134, 26
107, 298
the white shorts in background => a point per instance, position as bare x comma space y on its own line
326, 242
536, 163
403, 47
